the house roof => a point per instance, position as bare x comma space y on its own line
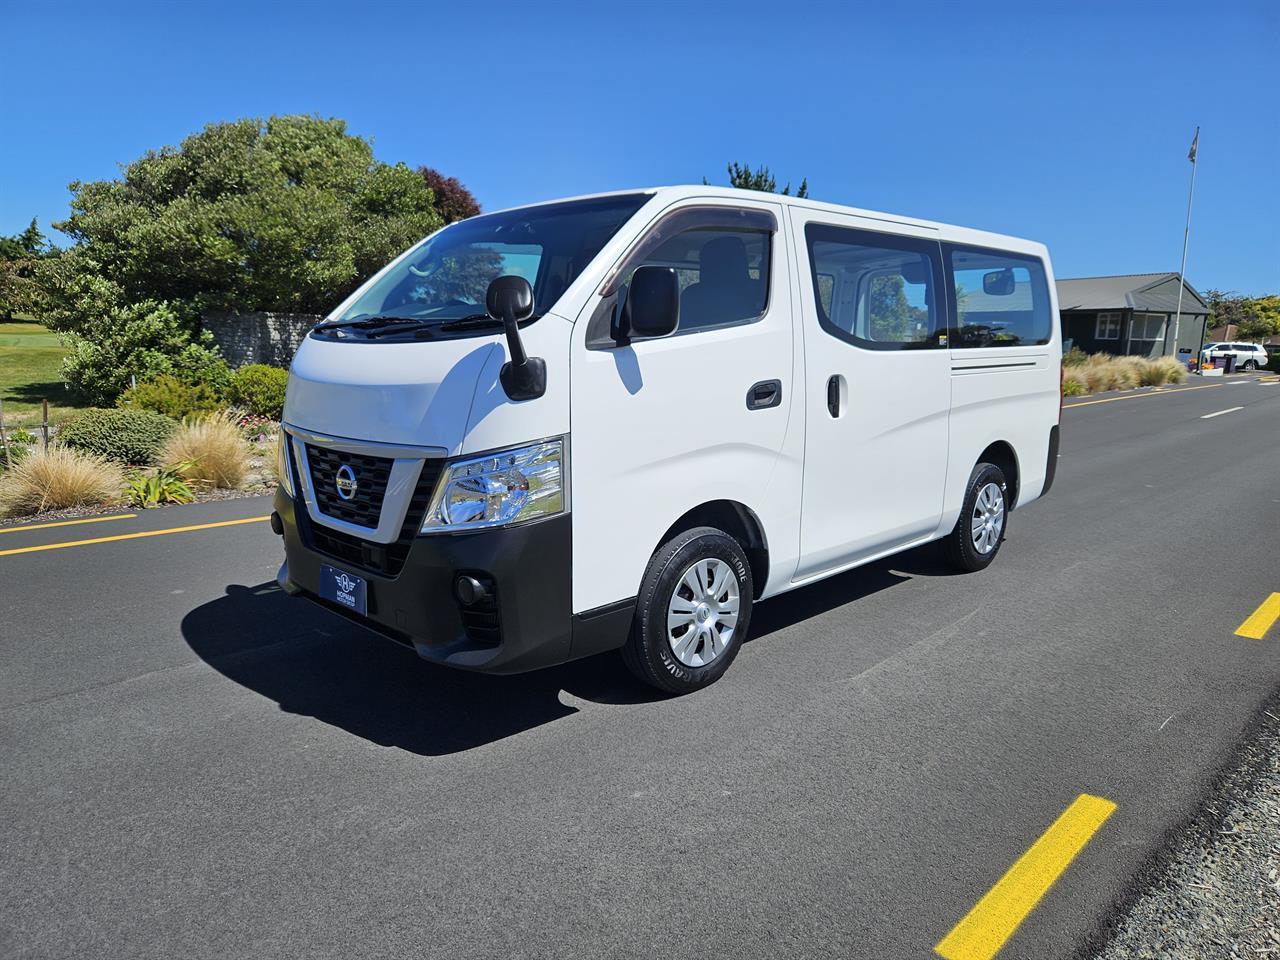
1157, 292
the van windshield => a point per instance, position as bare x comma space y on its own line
445, 277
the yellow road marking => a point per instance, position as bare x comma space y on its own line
130, 536
68, 523
992, 921
1137, 396
1261, 620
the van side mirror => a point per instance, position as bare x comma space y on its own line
998, 283
652, 304
509, 299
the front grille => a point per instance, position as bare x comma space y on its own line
384, 558
372, 473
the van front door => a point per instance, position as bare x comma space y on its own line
877, 391
664, 425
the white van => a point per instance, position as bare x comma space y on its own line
618, 421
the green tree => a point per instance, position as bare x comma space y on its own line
744, 178
1254, 318
18, 255
287, 214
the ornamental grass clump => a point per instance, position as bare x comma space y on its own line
57, 479
210, 450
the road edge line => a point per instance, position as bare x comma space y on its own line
982, 932
130, 536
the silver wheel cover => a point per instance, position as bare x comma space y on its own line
703, 612
987, 522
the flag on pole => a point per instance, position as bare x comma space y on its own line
1194, 142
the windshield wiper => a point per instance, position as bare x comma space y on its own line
367, 323
475, 322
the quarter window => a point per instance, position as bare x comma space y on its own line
1107, 327
875, 290
1001, 299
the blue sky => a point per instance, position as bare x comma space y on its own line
1068, 123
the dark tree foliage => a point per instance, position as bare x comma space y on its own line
18, 256
744, 178
453, 201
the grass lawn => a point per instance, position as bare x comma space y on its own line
31, 371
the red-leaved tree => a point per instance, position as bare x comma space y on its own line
453, 200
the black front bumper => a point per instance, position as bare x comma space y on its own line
528, 624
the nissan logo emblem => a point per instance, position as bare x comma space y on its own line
345, 481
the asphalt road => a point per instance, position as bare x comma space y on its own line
196, 765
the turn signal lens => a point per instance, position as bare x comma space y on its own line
282, 463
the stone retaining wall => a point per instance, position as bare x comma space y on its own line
259, 337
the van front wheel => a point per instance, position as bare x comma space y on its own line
692, 612
977, 536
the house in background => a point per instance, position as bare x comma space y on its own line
1131, 314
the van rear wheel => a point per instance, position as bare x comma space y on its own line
976, 538
692, 612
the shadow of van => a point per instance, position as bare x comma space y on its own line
315, 663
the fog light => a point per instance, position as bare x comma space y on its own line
470, 591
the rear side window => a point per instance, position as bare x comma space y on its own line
874, 290
1001, 299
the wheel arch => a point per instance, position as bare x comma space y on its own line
1002, 454
740, 522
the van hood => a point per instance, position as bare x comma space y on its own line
442, 394
417, 394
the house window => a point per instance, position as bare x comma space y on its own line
1147, 326
1108, 327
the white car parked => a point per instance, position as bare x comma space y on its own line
1249, 356
619, 421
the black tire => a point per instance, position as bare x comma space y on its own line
648, 653
959, 547
1250, 366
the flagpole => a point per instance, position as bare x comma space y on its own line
1186, 235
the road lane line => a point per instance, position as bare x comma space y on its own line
1261, 620
1210, 416
67, 523
992, 921
130, 536
1138, 396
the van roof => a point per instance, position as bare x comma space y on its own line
944, 230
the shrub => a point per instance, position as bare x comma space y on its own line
1160, 371
170, 396
21, 436
1074, 357
210, 451
165, 485
125, 436
259, 389
1072, 386
58, 478
1273, 359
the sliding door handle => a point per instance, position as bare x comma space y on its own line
765, 394
833, 396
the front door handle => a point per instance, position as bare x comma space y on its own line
833, 396
765, 394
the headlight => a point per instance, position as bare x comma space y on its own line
282, 463
508, 487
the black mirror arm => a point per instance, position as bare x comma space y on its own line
522, 377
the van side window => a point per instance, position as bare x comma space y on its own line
875, 290
1001, 299
723, 272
